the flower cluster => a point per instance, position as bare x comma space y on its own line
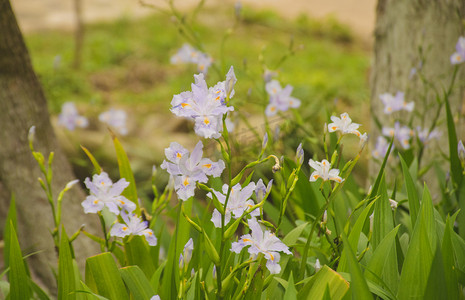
280, 98
188, 54
70, 118
105, 193
206, 106
188, 169
459, 56
262, 242
402, 133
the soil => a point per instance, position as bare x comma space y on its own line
48, 14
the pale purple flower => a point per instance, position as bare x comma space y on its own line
70, 118
381, 148
323, 170
268, 75
103, 192
239, 201
280, 98
203, 105
188, 169
156, 297
261, 190
133, 225
115, 118
459, 56
344, 125
188, 54
402, 133
424, 135
395, 103
230, 124
262, 242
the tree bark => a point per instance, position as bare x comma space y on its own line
418, 34
23, 104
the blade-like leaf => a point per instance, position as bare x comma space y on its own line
383, 263
66, 280
138, 253
358, 284
137, 283
94, 162
315, 289
354, 236
103, 277
125, 172
413, 201
382, 219
19, 280
291, 292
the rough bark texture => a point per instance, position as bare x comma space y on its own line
23, 104
402, 28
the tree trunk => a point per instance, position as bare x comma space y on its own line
418, 34
23, 104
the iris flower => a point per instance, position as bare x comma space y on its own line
133, 225
395, 103
402, 133
262, 242
344, 125
115, 118
206, 106
381, 148
280, 98
103, 192
70, 118
459, 56
188, 169
188, 54
323, 170
239, 201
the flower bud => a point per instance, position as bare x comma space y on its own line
32, 133
265, 141
71, 184
299, 157
461, 152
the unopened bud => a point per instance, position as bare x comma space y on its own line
393, 204
461, 152
299, 156
32, 133
71, 184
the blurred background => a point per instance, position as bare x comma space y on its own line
116, 54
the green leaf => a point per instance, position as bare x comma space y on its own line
103, 277
38, 291
19, 280
291, 292
66, 280
382, 219
419, 257
11, 221
138, 253
412, 193
125, 172
374, 190
315, 289
382, 267
137, 283
354, 236
86, 290
447, 249
94, 162
358, 284
155, 280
